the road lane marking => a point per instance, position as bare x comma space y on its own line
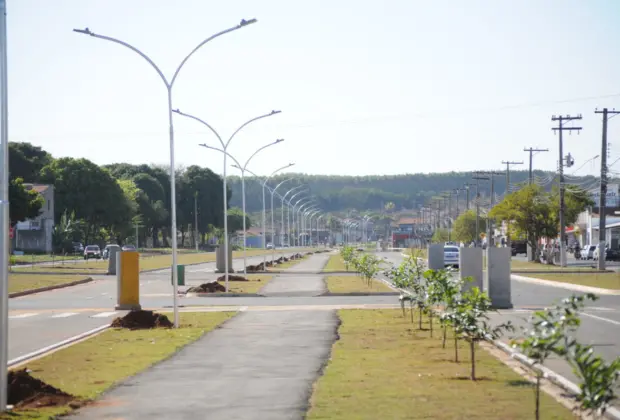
600, 318
27, 315
103, 315
64, 315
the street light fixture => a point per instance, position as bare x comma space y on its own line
243, 170
288, 213
293, 206
307, 222
225, 185
169, 84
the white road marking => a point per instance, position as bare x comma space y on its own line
103, 314
28, 315
599, 308
243, 309
600, 318
64, 315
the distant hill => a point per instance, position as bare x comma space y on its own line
339, 193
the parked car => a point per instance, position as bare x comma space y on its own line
587, 253
610, 254
106, 251
128, 248
78, 248
518, 247
451, 256
269, 245
92, 251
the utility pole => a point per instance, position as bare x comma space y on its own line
531, 150
196, 220
466, 186
490, 241
602, 230
561, 128
457, 191
477, 178
508, 163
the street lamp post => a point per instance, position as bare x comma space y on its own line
288, 213
294, 213
273, 229
243, 170
169, 84
225, 185
302, 218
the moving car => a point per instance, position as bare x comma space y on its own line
128, 248
269, 245
587, 253
610, 254
451, 256
92, 251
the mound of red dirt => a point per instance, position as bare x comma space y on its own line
232, 278
142, 320
213, 287
28, 392
254, 268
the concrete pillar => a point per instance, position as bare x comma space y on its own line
112, 257
498, 277
220, 262
435, 257
470, 265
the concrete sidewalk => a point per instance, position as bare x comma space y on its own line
299, 284
258, 365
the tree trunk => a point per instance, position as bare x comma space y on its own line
456, 348
430, 321
420, 319
443, 341
537, 396
472, 350
402, 306
411, 314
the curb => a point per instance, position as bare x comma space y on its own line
27, 357
221, 295
569, 286
361, 294
556, 379
48, 288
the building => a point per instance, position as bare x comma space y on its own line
404, 232
36, 235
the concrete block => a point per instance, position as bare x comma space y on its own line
470, 265
220, 262
498, 277
435, 257
112, 257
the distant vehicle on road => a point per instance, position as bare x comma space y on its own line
360, 249
269, 245
78, 248
106, 251
92, 251
587, 253
128, 248
451, 256
518, 247
610, 254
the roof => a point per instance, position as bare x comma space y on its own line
609, 222
40, 188
408, 221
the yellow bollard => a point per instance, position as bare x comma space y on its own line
128, 278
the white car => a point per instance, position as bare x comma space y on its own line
451, 256
587, 253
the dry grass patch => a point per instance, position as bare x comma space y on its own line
383, 368
253, 285
87, 369
335, 263
23, 282
528, 265
355, 284
601, 280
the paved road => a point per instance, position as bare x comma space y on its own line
259, 365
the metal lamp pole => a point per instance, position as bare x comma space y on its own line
225, 185
307, 221
243, 170
315, 213
273, 229
302, 218
288, 213
293, 210
169, 84
297, 213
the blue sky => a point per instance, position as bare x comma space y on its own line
365, 87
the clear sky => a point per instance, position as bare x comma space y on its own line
365, 87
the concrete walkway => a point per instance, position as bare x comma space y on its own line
258, 365
299, 284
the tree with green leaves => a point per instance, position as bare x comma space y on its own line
26, 161
465, 227
235, 220
348, 255
440, 236
24, 203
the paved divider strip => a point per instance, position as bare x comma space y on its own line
48, 288
569, 286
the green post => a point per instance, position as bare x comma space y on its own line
180, 275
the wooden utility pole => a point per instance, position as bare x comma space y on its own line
508, 163
531, 150
602, 229
477, 177
490, 241
560, 129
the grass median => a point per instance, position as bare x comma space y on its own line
355, 284
87, 369
601, 280
147, 262
381, 367
253, 285
335, 263
25, 282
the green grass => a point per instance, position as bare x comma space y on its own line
383, 368
39, 258
355, 284
335, 263
87, 369
601, 280
23, 282
527, 265
418, 252
148, 262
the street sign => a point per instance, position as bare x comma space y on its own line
11, 232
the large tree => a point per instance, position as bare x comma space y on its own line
465, 226
26, 161
23, 203
89, 191
235, 220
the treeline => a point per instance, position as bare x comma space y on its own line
339, 193
98, 204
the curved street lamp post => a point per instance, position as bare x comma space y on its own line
288, 214
225, 185
169, 84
